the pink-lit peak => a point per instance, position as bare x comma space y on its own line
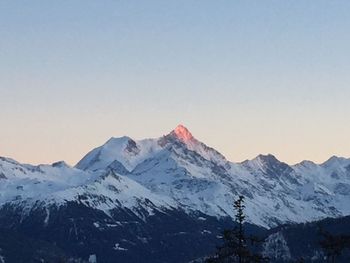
182, 133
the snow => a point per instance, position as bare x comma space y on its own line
275, 247
92, 259
125, 150
38, 182
46, 220
2, 258
178, 171
118, 247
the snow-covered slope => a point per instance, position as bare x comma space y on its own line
124, 150
176, 171
25, 186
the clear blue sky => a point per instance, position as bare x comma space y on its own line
246, 77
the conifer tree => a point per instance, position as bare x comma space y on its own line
236, 247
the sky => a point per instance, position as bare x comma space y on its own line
245, 77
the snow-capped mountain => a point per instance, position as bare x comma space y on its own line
197, 177
176, 171
54, 185
143, 195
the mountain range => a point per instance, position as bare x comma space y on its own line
129, 194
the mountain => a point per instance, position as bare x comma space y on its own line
143, 195
297, 241
197, 177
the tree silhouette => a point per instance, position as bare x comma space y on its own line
237, 246
241, 248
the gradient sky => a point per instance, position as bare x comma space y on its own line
246, 77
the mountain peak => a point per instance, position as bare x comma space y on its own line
60, 164
182, 133
267, 158
335, 161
